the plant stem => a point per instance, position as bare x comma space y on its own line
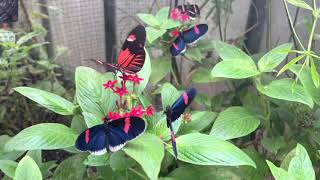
291, 25
312, 33
138, 173
219, 19
175, 69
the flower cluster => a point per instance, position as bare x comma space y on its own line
178, 15
125, 103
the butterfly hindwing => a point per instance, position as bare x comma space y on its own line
132, 55
182, 103
173, 141
193, 34
123, 130
93, 140
178, 46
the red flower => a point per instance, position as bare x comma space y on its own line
135, 79
175, 33
138, 112
184, 17
121, 91
110, 84
125, 77
149, 111
174, 14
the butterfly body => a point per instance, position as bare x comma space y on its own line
188, 37
176, 110
112, 135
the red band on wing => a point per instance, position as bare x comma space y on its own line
87, 137
185, 98
172, 136
196, 30
126, 125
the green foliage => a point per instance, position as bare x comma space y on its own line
27, 169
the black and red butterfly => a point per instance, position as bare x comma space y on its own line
112, 135
132, 55
176, 110
188, 37
192, 10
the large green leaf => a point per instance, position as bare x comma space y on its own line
71, 168
93, 160
203, 75
169, 94
162, 14
236, 64
234, 70
199, 121
90, 94
119, 161
8, 167
234, 122
144, 73
8, 155
149, 19
300, 3
202, 149
194, 53
27, 169
48, 100
306, 81
148, 151
160, 68
273, 58
285, 89
300, 166
153, 33
43, 136
278, 173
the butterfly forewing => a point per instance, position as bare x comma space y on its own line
123, 130
92, 140
178, 47
182, 103
192, 10
132, 55
193, 34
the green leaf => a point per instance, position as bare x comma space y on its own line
119, 161
27, 169
148, 151
91, 95
149, 19
144, 73
300, 166
153, 34
203, 75
163, 14
43, 136
283, 89
160, 68
169, 94
170, 24
290, 64
234, 122
233, 70
306, 81
91, 119
300, 3
48, 100
200, 121
274, 144
8, 167
314, 74
278, 173
202, 149
93, 160
273, 58
71, 168
194, 54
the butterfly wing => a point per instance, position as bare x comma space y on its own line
192, 35
192, 10
123, 130
132, 55
178, 47
182, 103
93, 140
173, 141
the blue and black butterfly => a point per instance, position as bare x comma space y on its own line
112, 135
188, 37
192, 10
176, 110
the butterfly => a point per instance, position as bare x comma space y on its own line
132, 55
192, 10
174, 112
112, 135
188, 37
